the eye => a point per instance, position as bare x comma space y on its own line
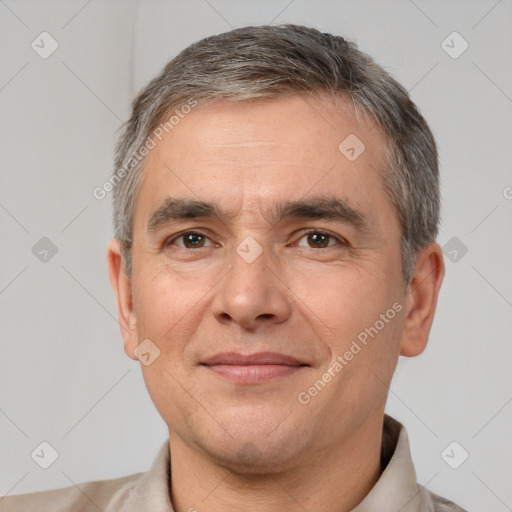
190, 240
321, 239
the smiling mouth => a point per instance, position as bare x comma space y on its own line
253, 368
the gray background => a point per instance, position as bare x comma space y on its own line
64, 377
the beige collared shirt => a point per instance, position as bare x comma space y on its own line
395, 491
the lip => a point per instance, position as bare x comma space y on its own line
253, 368
259, 358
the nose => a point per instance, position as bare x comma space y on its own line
252, 294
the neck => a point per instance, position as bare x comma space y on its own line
336, 475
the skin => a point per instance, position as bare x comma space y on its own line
239, 446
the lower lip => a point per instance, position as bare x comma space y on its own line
253, 373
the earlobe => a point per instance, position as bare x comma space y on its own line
422, 300
122, 287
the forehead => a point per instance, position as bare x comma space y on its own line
246, 153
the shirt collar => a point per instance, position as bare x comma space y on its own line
151, 493
395, 490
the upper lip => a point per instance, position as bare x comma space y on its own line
236, 359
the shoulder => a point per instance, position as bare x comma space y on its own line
90, 496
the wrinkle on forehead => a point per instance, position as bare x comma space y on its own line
234, 146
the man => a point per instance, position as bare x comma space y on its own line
276, 206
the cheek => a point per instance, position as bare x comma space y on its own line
364, 314
342, 301
377, 346
165, 305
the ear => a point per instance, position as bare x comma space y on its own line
422, 300
122, 286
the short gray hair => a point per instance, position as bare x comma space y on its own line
266, 62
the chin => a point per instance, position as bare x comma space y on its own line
250, 449
255, 459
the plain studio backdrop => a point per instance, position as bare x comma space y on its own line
69, 72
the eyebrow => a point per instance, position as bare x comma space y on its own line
319, 208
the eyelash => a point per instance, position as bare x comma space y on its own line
340, 240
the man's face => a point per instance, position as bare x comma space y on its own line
298, 287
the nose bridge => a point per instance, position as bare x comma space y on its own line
248, 268
251, 291
250, 250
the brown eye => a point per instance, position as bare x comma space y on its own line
321, 239
318, 239
189, 240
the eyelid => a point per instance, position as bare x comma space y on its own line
171, 239
338, 238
